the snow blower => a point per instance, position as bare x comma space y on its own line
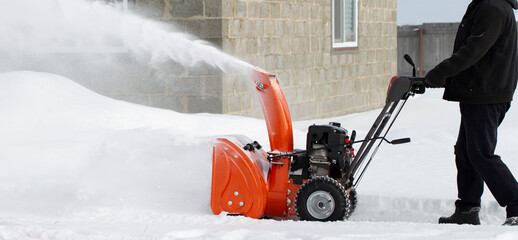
315, 184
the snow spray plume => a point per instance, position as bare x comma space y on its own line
40, 28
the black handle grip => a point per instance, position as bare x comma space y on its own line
409, 60
418, 84
400, 141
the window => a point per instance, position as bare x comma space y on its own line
345, 23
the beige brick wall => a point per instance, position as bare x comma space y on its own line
292, 39
184, 89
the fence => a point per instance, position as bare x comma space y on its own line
427, 44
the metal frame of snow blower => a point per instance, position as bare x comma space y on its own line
399, 90
248, 181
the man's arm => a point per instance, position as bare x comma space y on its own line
485, 30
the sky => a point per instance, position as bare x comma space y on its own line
411, 12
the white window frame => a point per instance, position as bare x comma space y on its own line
347, 44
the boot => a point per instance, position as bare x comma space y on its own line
511, 221
458, 217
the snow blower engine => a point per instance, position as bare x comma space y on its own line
316, 184
329, 153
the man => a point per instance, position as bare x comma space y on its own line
481, 75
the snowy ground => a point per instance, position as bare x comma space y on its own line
77, 165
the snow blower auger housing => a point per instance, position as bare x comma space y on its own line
316, 184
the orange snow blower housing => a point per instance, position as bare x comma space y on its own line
318, 183
243, 180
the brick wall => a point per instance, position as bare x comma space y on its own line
184, 89
293, 40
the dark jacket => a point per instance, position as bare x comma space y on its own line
483, 67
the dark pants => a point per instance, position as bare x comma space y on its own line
476, 160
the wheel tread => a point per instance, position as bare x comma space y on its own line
345, 209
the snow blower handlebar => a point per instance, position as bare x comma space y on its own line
399, 90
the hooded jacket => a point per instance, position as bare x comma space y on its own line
483, 67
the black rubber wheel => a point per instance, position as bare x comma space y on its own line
322, 199
353, 199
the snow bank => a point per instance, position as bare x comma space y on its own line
69, 147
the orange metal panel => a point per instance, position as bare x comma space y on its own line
280, 132
275, 110
238, 178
